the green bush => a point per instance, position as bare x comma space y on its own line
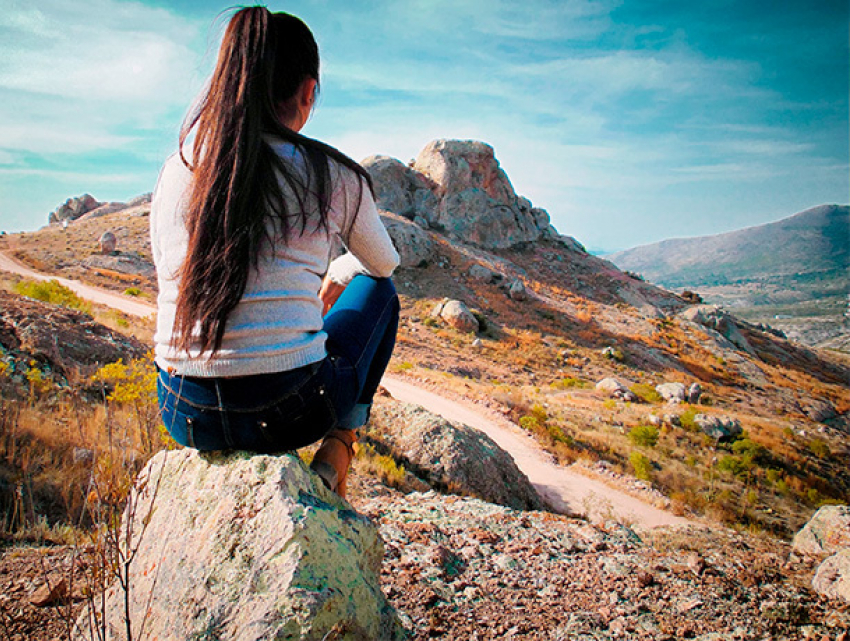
529, 423
736, 465
569, 383
646, 393
133, 291
641, 465
819, 448
53, 292
686, 420
646, 435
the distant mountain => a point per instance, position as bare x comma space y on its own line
813, 245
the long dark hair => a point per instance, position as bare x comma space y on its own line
238, 179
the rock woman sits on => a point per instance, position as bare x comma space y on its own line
262, 342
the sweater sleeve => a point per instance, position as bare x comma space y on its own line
370, 249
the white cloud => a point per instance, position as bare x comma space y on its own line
71, 74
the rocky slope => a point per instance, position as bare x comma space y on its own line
545, 322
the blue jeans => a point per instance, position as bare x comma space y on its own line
286, 410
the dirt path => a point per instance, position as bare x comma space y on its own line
561, 487
93, 294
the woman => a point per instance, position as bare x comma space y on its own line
242, 233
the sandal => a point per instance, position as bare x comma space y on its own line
333, 459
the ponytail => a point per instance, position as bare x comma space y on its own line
238, 180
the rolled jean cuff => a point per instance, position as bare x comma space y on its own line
357, 417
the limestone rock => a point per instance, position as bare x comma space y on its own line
73, 208
827, 532
672, 392
517, 291
400, 189
247, 547
452, 455
107, 242
457, 314
694, 393
820, 410
613, 387
483, 274
477, 202
713, 317
832, 578
721, 428
59, 337
414, 245
129, 263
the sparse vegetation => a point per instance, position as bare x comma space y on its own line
52, 291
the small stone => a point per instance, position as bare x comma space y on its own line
55, 589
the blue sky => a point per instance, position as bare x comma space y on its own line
629, 121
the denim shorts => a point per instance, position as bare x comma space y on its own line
283, 411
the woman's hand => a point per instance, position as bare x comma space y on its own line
329, 293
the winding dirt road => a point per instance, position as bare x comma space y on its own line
563, 488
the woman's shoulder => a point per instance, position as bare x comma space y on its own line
339, 165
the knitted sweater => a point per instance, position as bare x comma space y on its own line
277, 326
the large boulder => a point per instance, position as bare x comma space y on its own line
245, 547
477, 202
400, 189
414, 244
827, 532
720, 428
832, 578
672, 392
614, 388
457, 314
451, 455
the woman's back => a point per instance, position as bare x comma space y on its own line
277, 325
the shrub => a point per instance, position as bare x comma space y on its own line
646, 393
819, 448
570, 382
53, 292
133, 291
750, 450
736, 465
641, 465
645, 435
686, 420
528, 423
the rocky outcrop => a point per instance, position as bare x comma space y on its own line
672, 392
712, 317
457, 314
452, 456
73, 208
414, 245
60, 338
458, 187
614, 388
398, 188
130, 264
246, 547
721, 428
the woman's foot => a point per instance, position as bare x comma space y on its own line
333, 459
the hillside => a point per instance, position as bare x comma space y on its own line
791, 274
810, 246
548, 323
